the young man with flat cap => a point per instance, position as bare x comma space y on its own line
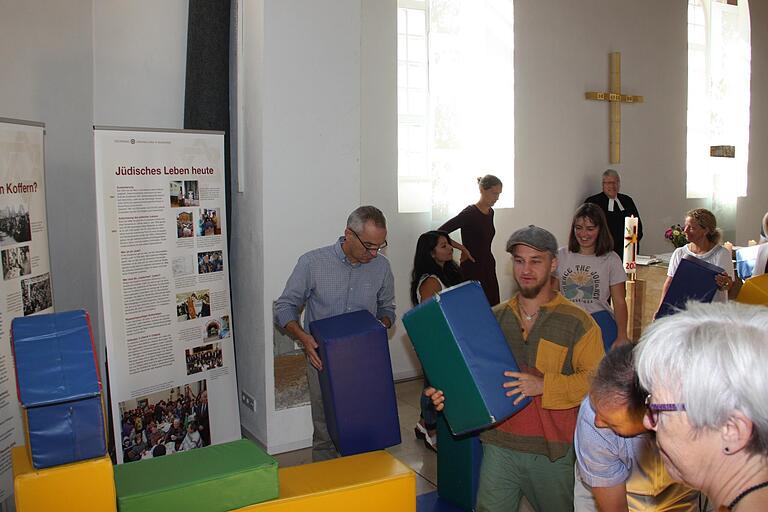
557, 346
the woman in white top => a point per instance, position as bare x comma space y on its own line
433, 270
590, 273
703, 242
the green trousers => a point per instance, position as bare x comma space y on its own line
507, 475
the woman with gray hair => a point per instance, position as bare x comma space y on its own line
705, 371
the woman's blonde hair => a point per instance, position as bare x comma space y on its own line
706, 219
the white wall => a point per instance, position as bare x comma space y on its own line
303, 162
750, 209
46, 64
139, 63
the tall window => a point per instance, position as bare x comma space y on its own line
455, 102
719, 54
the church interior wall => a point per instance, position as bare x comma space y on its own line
320, 135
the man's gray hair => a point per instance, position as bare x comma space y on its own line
712, 358
357, 219
612, 173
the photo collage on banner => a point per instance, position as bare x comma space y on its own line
25, 288
165, 290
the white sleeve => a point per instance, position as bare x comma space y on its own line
725, 261
674, 261
616, 273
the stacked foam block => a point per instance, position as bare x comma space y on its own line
56, 471
63, 465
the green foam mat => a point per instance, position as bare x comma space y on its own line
211, 479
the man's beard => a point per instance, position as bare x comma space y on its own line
533, 291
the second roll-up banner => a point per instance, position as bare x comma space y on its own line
164, 271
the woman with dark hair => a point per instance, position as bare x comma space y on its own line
477, 232
590, 273
433, 270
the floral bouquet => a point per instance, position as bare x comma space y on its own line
675, 235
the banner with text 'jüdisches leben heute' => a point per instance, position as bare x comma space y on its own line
164, 272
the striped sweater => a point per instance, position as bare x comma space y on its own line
564, 346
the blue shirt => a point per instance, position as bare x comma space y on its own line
327, 284
606, 459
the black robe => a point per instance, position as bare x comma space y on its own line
616, 219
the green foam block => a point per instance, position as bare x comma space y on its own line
212, 479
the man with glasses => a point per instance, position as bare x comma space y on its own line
619, 466
350, 275
616, 208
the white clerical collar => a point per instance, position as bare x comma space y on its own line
618, 203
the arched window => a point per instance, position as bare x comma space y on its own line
719, 54
455, 93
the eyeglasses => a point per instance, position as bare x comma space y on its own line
653, 410
369, 246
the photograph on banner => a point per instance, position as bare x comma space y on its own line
208, 225
16, 262
164, 274
26, 285
165, 422
209, 261
217, 329
184, 193
191, 305
15, 227
36, 294
183, 265
204, 358
185, 226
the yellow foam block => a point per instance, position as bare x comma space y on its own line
87, 485
374, 482
754, 291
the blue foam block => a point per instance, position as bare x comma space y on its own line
356, 381
66, 432
694, 279
431, 502
465, 354
608, 328
59, 387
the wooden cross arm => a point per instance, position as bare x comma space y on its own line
611, 96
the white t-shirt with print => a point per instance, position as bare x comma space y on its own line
586, 280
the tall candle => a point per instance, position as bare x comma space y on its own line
630, 244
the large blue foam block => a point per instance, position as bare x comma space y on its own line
608, 328
464, 354
694, 279
356, 382
59, 387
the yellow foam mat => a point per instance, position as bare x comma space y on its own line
754, 291
81, 486
374, 482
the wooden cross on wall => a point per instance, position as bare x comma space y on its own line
615, 99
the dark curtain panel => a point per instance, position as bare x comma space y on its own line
206, 98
